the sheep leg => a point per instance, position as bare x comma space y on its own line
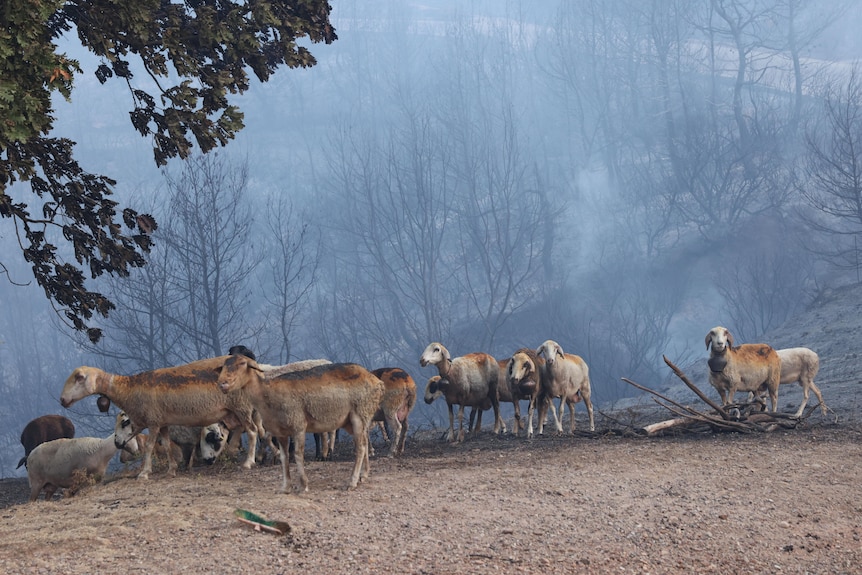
395, 426
251, 430
460, 423
285, 460
571, 403
165, 438
589, 403
35, 489
450, 437
147, 465
806, 386
530, 409
518, 424
360, 449
558, 421
543, 413
402, 439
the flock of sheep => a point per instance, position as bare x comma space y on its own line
278, 405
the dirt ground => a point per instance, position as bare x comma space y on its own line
782, 502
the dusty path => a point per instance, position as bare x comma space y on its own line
787, 502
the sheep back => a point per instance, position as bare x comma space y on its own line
42, 429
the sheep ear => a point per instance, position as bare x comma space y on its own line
446, 354
708, 339
559, 351
540, 350
729, 338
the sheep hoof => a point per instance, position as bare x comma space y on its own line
143, 475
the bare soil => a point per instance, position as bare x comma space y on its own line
781, 502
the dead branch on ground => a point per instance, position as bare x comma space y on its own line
739, 417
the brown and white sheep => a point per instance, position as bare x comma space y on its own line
324, 398
42, 429
181, 395
566, 376
469, 380
399, 397
800, 365
524, 381
52, 464
747, 367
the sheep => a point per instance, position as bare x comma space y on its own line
524, 381
566, 376
42, 429
52, 464
743, 368
187, 442
398, 400
433, 391
468, 380
799, 365
324, 398
182, 395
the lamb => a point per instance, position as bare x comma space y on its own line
182, 395
566, 376
52, 464
324, 398
42, 429
398, 400
524, 381
743, 368
468, 380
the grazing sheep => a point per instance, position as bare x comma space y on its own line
468, 380
398, 400
524, 381
52, 464
154, 400
324, 398
566, 376
42, 429
747, 367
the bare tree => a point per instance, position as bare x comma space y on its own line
832, 172
293, 256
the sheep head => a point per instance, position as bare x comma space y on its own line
551, 350
79, 385
434, 354
521, 372
125, 436
432, 389
235, 372
720, 339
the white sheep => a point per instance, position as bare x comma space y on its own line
182, 395
800, 365
747, 367
566, 376
469, 380
324, 398
52, 464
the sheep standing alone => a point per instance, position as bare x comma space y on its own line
52, 464
399, 397
324, 398
524, 381
745, 368
469, 380
182, 395
566, 376
42, 429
